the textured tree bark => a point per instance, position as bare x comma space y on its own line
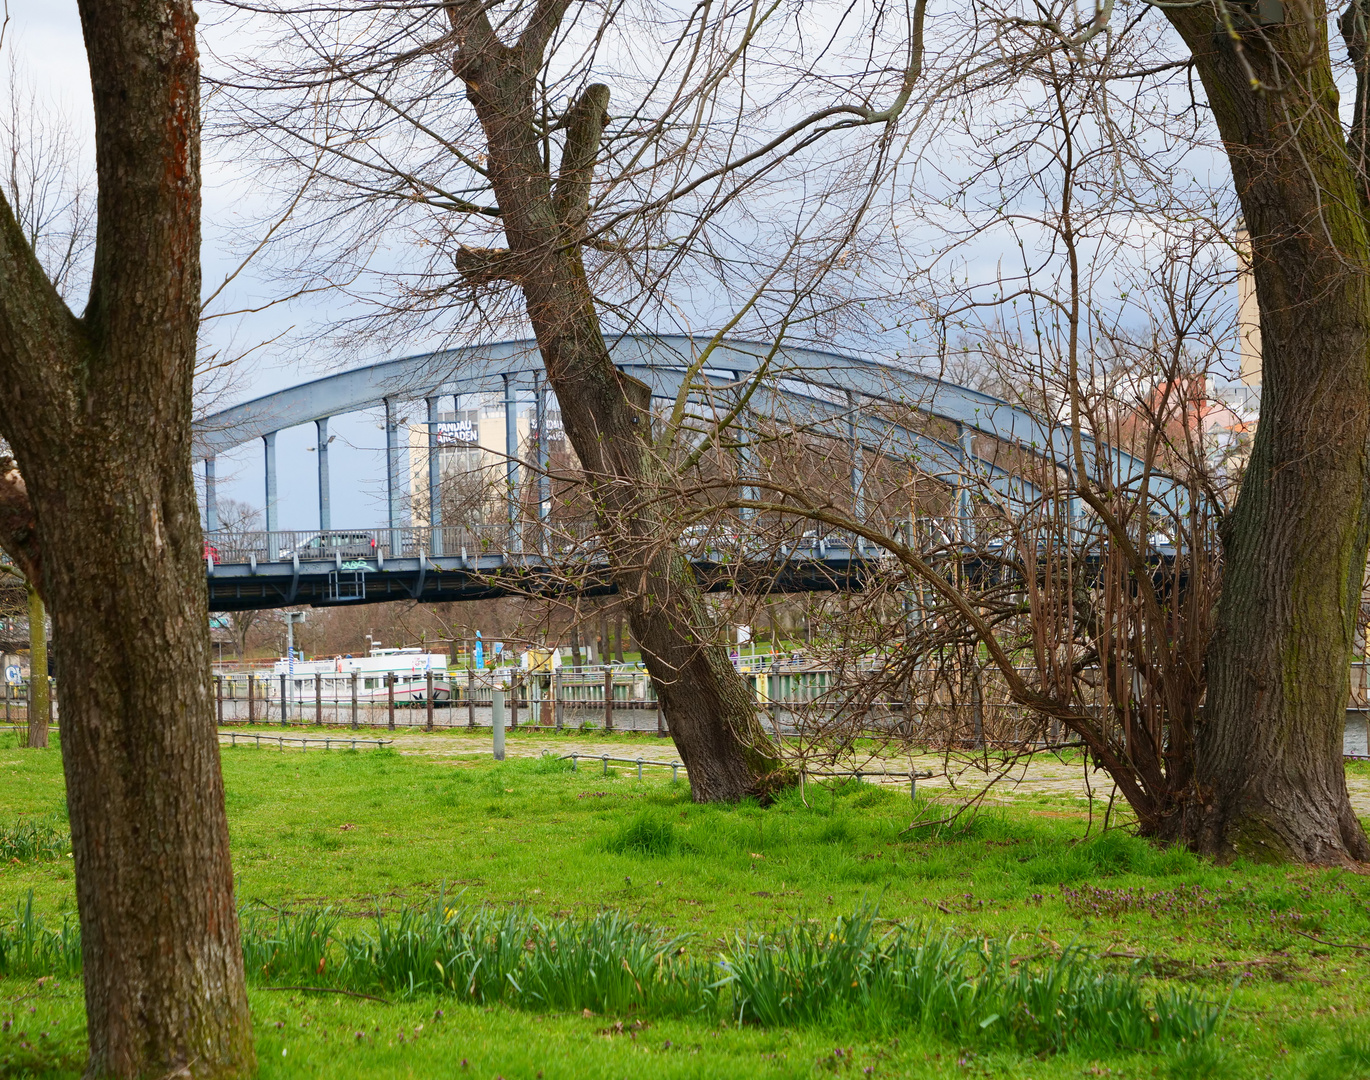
40, 701
98, 411
709, 709
1270, 782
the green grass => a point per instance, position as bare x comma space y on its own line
359, 833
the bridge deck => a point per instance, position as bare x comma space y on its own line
240, 586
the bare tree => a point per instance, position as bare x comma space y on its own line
97, 410
46, 183
236, 520
1269, 781
489, 131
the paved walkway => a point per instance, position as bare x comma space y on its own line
1042, 776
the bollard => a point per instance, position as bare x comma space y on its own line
430, 699
497, 720
218, 699
318, 698
639, 768
674, 766
913, 786
471, 697
390, 691
354, 701
285, 714
574, 756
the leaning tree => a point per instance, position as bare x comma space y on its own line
561, 166
101, 515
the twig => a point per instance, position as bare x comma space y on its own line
1334, 944
330, 990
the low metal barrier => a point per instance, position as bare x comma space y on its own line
304, 741
911, 775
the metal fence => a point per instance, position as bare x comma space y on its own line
612, 697
551, 539
16, 701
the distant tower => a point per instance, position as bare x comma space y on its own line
1248, 313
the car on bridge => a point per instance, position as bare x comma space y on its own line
327, 545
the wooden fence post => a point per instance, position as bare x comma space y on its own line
318, 698
390, 694
471, 698
608, 698
355, 725
251, 697
430, 699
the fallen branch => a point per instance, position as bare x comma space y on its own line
330, 990
1333, 944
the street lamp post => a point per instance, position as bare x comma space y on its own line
291, 618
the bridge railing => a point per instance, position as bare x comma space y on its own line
406, 542
556, 540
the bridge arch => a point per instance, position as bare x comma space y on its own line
812, 386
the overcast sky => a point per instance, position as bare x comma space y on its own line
44, 38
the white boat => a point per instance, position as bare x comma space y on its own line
410, 667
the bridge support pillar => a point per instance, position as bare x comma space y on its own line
325, 497
511, 462
858, 476
269, 448
211, 497
964, 516
744, 458
434, 481
393, 477
544, 462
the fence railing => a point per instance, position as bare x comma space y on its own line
563, 541
793, 699
16, 700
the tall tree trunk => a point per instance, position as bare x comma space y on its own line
98, 410
40, 699
1270, 778
710, 712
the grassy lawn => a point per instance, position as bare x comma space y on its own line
376, 831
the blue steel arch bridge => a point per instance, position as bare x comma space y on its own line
854, 399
